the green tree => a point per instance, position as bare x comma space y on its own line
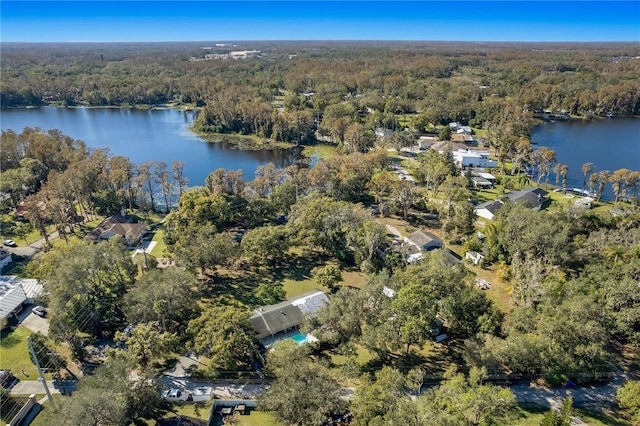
466, 401
381, 186
164, 296
377, 397
629, 398
415, 309
303, 392
266, 245
147, 342
587, 170
87, 285
112, 395
328, 275
445, 134
224, 335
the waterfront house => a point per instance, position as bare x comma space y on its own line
120, 226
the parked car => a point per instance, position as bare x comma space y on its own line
9, 243
6, 378
40, 311
175, 395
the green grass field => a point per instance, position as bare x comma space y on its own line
14, 353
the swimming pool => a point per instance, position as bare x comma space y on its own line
298, 337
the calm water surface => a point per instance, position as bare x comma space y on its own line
608, 144
145, 135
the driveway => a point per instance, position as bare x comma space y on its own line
28, 387
35, 323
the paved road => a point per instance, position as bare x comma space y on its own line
589, 396
31, 249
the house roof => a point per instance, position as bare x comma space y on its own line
272, 319
448, 145
423, 238
12, 294
491, 206
534, 197
117, 225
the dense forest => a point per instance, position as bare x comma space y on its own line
294, 89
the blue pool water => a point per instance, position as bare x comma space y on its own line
299, 337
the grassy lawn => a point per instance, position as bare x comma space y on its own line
198, 410
160, 249
499, 291
294, 287
7, 232
14, 353
257, 418
320, 151
40, 419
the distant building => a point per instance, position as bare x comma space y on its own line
475, 257
244, 54
489, 209
532, 197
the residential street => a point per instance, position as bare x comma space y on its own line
591, 396
32, 248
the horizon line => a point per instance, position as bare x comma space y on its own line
319, 40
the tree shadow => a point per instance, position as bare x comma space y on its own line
9, 339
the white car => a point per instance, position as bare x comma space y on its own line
175, 395
9, 243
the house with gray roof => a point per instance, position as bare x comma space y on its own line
424, 240
532, 197
270, 320
488, 209
15, 293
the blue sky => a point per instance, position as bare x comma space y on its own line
319, 20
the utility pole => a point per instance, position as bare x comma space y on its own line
44, 382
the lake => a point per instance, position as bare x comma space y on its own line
608, 144
146, 135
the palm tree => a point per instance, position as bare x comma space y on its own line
21, 229
586, 169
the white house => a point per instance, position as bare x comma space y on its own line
489, 209
473, 158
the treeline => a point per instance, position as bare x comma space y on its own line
61, 181
465, 83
